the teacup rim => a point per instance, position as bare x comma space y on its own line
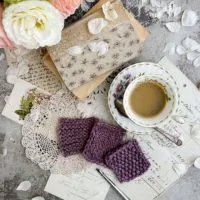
131, 84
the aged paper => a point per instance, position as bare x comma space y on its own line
21, 88
38, 74
163, 154
81, 186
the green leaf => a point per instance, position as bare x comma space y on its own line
25, 106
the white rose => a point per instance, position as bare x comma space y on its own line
33, 24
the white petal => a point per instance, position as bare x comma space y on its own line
2, 56
177, 11
180, 169
11, 79
195, 133
197, 163
191, 56
190, 44
180, 50
38, 198
75, 50
12, 139
93, 46
109, 11
103, 48
24, 186
189, 18
96, 25
170, 48
196, 62
179, 119
5, 151
173, 26
99, 47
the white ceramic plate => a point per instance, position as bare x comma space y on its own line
121, 82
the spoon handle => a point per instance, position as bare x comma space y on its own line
173, 139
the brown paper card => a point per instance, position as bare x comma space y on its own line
142, 33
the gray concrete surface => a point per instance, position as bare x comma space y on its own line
15, 167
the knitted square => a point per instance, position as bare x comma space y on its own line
128, 161
103, 138
73, 134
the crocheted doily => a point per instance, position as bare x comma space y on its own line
40, 138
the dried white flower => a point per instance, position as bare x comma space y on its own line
180, 50
109, 11
189, 18
75, 50
197, 163
96, 25
24, 186
99, 47
170, 48
180, 169
38, 198
173, 26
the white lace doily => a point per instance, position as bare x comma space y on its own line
40, 138
39, 129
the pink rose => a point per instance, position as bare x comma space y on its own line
4, 41
66, 7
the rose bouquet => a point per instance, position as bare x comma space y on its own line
33, 23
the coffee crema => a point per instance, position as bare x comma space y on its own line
148, 99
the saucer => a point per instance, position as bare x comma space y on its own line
121, 82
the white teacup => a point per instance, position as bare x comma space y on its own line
164, 114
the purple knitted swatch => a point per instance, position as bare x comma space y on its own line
73, 134
128, 161
103, 138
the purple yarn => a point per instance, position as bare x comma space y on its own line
103, 138
73, 134
128, 161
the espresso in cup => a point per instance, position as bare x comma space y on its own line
148, 99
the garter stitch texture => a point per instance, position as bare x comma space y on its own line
128, 161
73, 134
103, 138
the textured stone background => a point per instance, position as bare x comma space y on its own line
15, 167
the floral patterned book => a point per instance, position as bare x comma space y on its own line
79, 58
